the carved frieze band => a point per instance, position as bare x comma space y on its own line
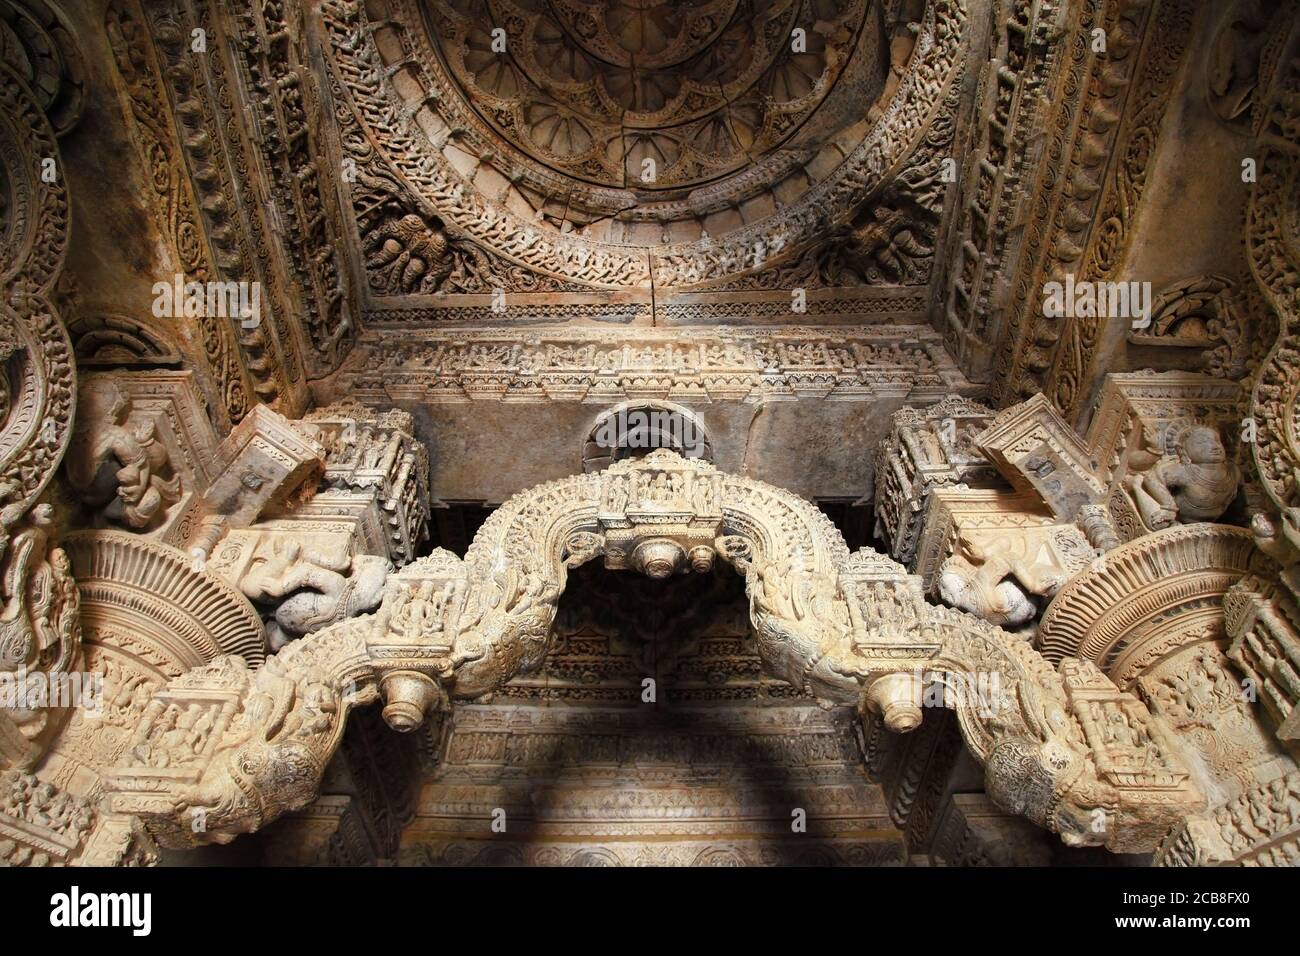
720, 363
1082, 226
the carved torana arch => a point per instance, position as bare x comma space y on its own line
1067, 749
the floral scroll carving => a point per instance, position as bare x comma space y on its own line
39, 627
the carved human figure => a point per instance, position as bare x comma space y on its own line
410, 616
537, 590
39, 613
1196, 486
1117, 730
312, 590
705, 496
122, 472
425, 610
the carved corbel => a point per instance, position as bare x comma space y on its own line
414, 638
376, 471
261, 462
927, 449
1036, 450
1158, 616
983, 542
264, 465
347, 499
223, 749
1032, 729
873, 640
1017, 714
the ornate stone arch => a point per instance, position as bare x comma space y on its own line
661, 515
1068, 749
110, 340
629, 427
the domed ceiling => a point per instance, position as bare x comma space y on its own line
649, 95
562, 145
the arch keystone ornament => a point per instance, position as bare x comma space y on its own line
1067, 749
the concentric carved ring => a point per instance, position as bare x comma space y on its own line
1145, 598
35, 355
441, 122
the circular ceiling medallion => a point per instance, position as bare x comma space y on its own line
647, 95
624, 143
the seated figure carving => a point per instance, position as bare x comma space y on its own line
1197, 485
309, 590
122, 472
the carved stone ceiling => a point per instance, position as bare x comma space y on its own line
556, 204
635, 147
506, 246
638, 103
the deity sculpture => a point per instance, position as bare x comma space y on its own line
122, 472
1197, 485
38, 617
